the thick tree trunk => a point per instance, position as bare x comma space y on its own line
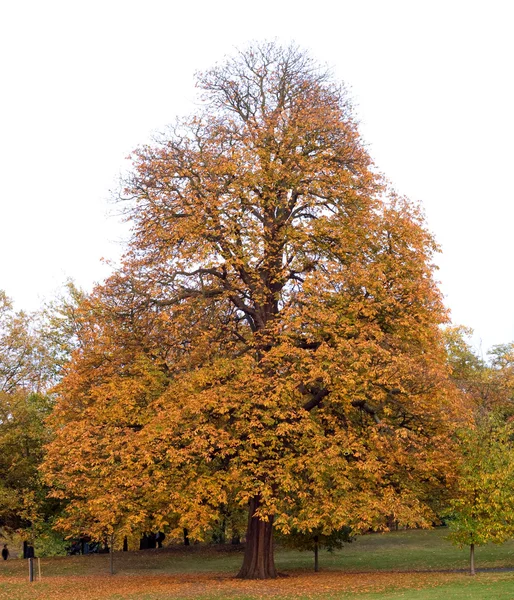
316, 554
472, 559
259, 562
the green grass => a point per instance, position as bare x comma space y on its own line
375, 567
395, 551
475, 590
482, 587
409, 550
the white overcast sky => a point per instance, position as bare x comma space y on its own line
83, 83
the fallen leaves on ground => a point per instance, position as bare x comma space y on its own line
222, 585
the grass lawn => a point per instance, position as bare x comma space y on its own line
375, 567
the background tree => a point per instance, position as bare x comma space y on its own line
98, 419
22, 356
487, 386
481, 509
502, 368
24, 377
277, 307
58, 323
463, 359
314, 541
483, 506
22, 436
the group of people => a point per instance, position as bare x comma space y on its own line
84, 546
28, 551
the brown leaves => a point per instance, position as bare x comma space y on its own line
221, 585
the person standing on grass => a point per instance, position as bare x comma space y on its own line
5, 552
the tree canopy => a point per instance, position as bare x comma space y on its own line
482, 509
25, 367
272, 339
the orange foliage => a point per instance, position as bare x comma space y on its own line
273, 333
220, 585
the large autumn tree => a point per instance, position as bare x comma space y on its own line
272, 339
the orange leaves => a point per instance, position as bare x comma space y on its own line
222, 585
273, 331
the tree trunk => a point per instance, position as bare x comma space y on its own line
316, 552
259, 562
186, 537
472, 559
111, 556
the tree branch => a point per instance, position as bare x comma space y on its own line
201, 272
364, 406
189, 293
316, 399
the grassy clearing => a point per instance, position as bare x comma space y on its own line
375, 567
408, 551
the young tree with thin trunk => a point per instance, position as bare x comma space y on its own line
482, 510
314, 541
287, 299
